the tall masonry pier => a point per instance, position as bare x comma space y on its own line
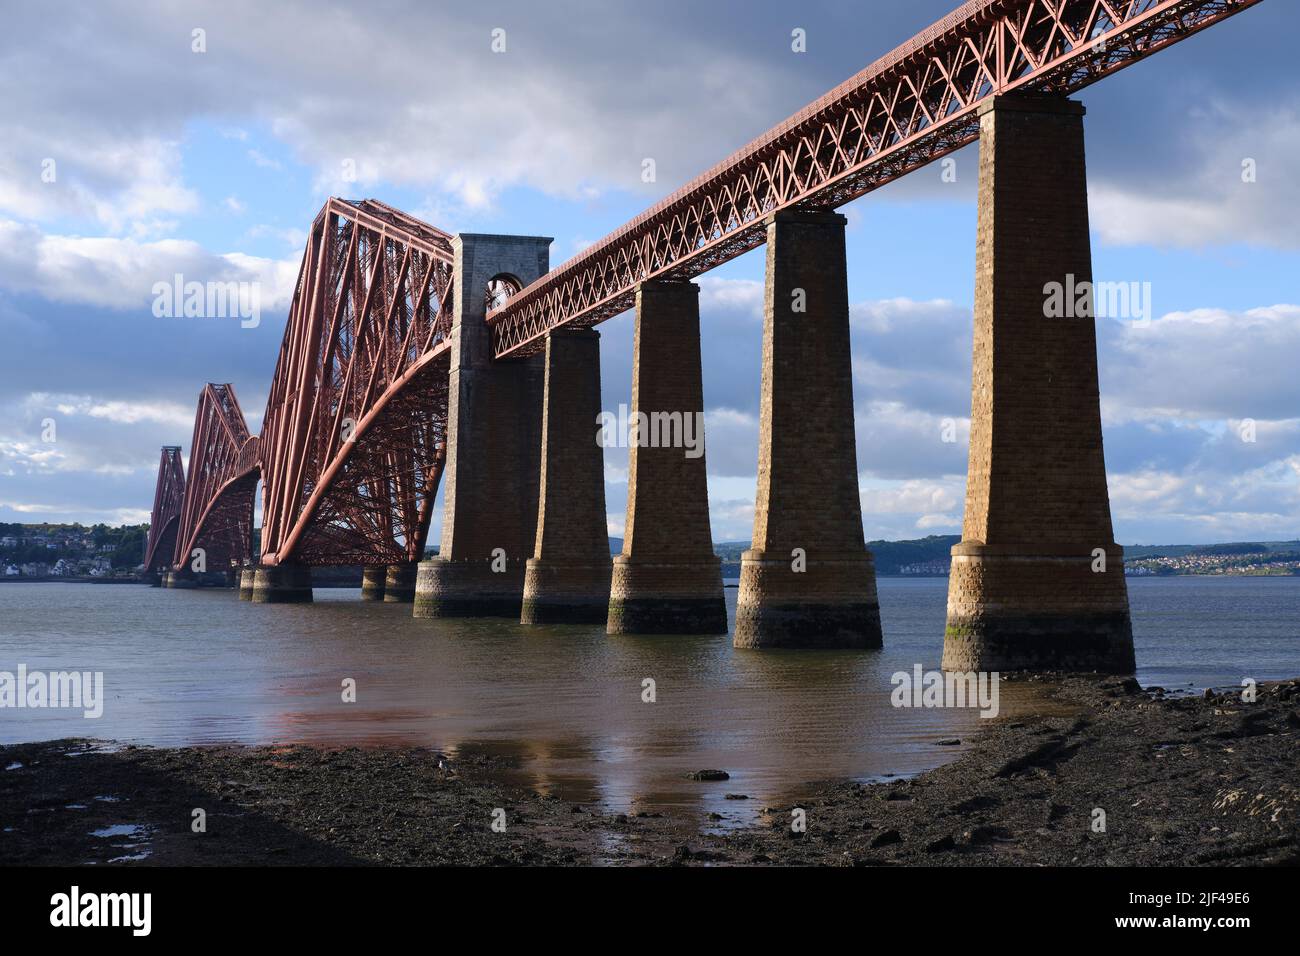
1037, 580
667, 580
808, 579
494, 440
567, 579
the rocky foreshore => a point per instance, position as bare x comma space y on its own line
1132, 776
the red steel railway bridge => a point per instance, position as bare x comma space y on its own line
414, 359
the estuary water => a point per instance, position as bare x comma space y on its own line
565, 704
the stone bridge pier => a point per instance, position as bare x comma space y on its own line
491, 478
282, 584
399, 582
808, 579
372, 582
567, 579
1037, 580
667, 580
185, 578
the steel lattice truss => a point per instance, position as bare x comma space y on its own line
354, 432
217, 513
168, 496
907, 109
353, 439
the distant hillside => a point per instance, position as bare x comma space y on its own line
123, 547
931, 556
893, 556
1182, 550
921, 556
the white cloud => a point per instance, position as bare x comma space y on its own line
576, 103
913, 497
1207, 363
738, 295
119, 273
112, 181
1205, 200
262, 160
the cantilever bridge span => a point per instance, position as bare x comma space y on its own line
411, 354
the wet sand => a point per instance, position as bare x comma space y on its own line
1181, 780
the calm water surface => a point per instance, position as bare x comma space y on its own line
186, 667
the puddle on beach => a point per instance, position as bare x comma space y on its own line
133, 838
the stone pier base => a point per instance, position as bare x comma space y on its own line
282, 584
399, 583
180, 579
372, 582
468, 589
676, 597
246, 581
1037, 608
565, 593
831, 603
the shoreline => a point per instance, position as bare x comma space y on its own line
728, 582
1181, 780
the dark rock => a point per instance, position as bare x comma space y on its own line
972, 804
979, 836
888, 838
710, 775
940, 845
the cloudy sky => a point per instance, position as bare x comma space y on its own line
127, 157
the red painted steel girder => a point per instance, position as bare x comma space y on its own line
217, 512
910, 107
354, 432
168, 495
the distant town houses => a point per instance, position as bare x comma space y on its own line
71, 551
1256, 562
928, 569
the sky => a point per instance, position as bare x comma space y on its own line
133, 149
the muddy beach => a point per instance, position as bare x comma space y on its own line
1118, 775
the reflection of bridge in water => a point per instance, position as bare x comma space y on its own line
410, 353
